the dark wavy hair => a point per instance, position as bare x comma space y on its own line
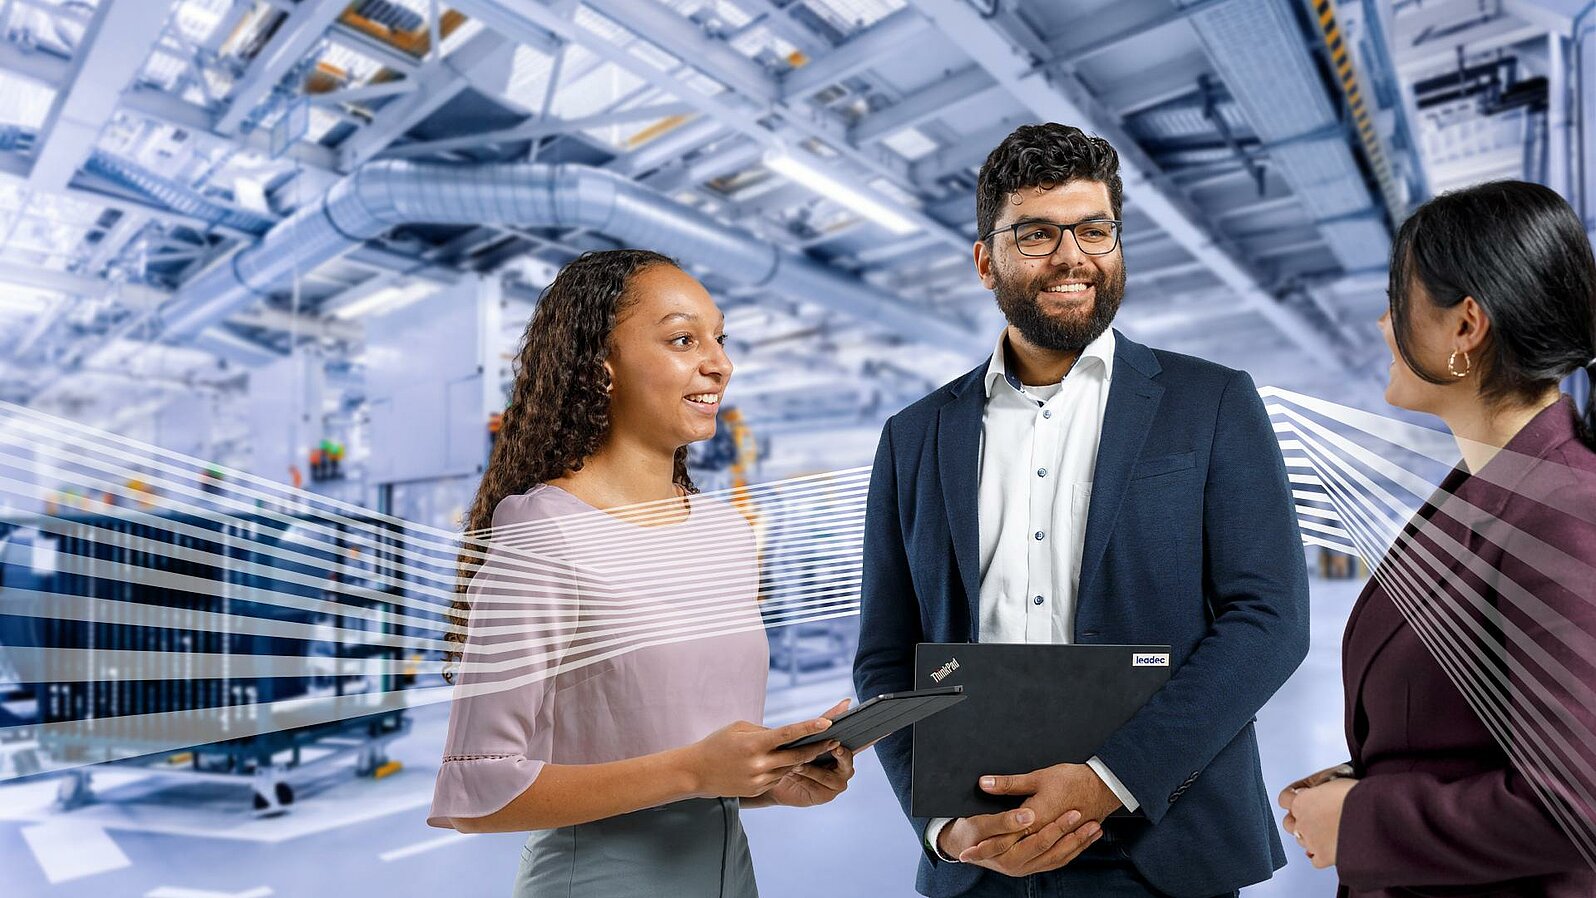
1048, 154
559, 409
1520, 251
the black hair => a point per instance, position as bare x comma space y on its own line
1521, 252
1048, 154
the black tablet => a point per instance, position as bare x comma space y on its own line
883, 715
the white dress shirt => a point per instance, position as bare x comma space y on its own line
1035, 489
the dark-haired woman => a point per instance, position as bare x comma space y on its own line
1470, 658
613, 649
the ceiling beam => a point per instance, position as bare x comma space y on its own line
156, 105
717, 59
442, 81
294, 38
880, 41
769, 125
968, 153
535, 128
115, 45
928, 102
1413, 62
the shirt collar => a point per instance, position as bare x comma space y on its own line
1100, 351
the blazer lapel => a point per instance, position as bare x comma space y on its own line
1132, 403
958, 464
1467, 506
1377, 617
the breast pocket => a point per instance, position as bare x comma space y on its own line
1162, 468
1081, 500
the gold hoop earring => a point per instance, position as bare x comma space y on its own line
1451, 363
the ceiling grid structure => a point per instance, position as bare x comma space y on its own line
846, 134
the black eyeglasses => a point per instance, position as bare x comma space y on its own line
1095, 236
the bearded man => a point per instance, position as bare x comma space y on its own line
1079, 487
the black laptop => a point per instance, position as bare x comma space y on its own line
1027, 707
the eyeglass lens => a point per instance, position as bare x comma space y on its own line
1042, 238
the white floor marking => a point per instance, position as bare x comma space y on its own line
419, 847
70, 849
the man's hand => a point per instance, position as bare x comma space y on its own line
1054, 791
1030, 850
1052, 834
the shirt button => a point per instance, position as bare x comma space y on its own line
1041, 472
1040, 534
1037, 600
1047, 413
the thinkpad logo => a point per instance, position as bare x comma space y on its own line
942, 672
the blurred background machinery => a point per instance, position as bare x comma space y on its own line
161, 646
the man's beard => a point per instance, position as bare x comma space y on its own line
1070, 332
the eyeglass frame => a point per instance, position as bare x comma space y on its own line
1119, 228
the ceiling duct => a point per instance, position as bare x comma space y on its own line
382, 195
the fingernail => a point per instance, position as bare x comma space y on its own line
1025, 818
1091, 829
988, 782
1072, 818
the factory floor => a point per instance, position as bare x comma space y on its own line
163, 838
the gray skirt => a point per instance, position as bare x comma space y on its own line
694, 847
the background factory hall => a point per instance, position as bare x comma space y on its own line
265, 266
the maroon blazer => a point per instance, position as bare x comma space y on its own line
1441, 809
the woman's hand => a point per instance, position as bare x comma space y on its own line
810, 784
1313, 779
743, 759
807, 785
1314, 817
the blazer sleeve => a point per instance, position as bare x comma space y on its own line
524, 611
1521, 819
889, 619
1256, 579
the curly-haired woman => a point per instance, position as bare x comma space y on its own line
613, 651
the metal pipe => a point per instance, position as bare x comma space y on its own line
383, 195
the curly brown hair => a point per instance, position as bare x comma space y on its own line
559, 409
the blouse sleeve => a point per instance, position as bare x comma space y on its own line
523, 609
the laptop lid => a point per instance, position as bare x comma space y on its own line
1027, 707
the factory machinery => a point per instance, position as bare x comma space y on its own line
245, 648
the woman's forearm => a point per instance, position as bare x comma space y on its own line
568, 794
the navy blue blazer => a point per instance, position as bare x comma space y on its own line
1191, 540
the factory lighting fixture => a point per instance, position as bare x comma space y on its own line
385, 300
795, 168
22, 298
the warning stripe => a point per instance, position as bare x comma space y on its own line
1341, 59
